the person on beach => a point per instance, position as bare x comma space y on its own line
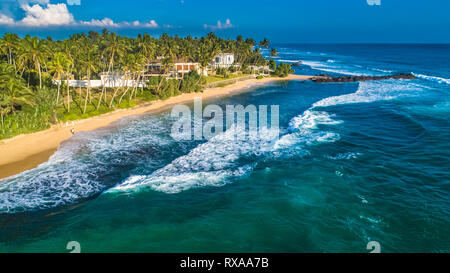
72, 131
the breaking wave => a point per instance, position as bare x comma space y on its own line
81, 168
374, 91
90, 163
432, 78
328, 68
305, 128
210, 164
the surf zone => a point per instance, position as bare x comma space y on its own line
249, 122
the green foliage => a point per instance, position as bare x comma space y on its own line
147, 95
232, 69
264, 43
224, 84
168, 88
72, 116
283, 70
45, 103
260, 77
273, 52
223, 72
14, 94
191, 83
272, 64
22, 123
33, 73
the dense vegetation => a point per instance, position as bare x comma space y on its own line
35, 73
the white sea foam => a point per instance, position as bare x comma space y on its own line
304, 128
382, 70
74, 171
56, 182
432, 78
344, 156
209, 164
288, 61
373, 91
327, 67
310, 119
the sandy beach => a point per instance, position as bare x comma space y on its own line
25, 152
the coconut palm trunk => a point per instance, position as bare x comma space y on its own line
68, 94
124, 93
9, 56
40, 76
124, 82
87, 91
59, 90
111, 63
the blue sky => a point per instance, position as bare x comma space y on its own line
312, 21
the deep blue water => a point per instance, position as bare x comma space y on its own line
355, 162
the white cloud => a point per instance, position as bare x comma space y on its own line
107, 22
151, 24
220, 25
51, 15
5, 20
42, 14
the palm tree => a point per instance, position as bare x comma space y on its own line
167, 64
13, 91
139, 70
146, 46
58, 66
127, 68
264, 43
8, 44
114, 45
34, 52
89, 62
273, 52
132, 66
204, 56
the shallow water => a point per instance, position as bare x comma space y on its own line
354, 162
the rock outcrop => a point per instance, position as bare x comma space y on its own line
326, 78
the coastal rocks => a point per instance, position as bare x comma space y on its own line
326, 78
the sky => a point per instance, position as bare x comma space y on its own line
281, 21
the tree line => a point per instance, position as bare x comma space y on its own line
35, 73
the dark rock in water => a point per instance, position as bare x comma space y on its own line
326, 78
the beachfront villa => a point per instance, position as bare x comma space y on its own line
223, 60
260, 69
154, 68
177, 69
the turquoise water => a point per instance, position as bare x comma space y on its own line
354, 162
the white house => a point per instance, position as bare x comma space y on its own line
115, 79
223, 60
260, 69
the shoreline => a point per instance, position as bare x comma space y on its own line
27, 151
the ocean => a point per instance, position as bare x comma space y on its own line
354, 163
